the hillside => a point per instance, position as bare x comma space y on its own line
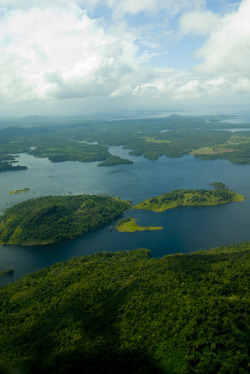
124, 312
54, 218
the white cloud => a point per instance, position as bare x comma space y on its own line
132, 7
47, 54
227, 50
242, 85
198, 22
55, 51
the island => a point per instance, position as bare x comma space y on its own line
130, 225
205, 137
114, 160
52, 219
6, 166
4, 273
125, 312
190, 197
12, 192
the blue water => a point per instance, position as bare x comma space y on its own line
184, 229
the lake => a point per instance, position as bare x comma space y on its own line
185, 229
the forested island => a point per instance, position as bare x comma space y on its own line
130, 225
7, 161
125, 312
219, 195
7, 166
55, 218
115, 160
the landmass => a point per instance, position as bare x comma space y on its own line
7, 161
125, 312
190, 197
115, 160
9, 271
19, 191
206, 137
6, 166
52, 219
130, 225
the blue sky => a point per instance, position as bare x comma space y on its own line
76, 57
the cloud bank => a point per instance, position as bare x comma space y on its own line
64, 50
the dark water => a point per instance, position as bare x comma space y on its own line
185, 229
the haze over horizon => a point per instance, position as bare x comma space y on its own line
78, 57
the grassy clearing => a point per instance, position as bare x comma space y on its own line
130, 225
12, 192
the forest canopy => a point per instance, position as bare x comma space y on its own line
125, 312
219, 195
55, 218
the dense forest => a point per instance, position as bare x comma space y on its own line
125, 312
206, 137
55, 218
219, 195
6, 163
114, 160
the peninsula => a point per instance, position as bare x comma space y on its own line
219, 195
130, 225
52, 219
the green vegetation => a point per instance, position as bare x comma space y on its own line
236, 149
6, 162
205, 137
9, 271
19, 191
115, 160
54, 218
6, 166
220, 195
69, 150
130, 225
124, 312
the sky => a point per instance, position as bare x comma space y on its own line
77, 57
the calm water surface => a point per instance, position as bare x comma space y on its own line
185, 229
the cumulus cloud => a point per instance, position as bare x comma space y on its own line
227, 50
56, 51
48, 54
198, 22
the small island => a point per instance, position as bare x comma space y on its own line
12, 192
130, 225
191, 197
51, 219
114, 160
4, 273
